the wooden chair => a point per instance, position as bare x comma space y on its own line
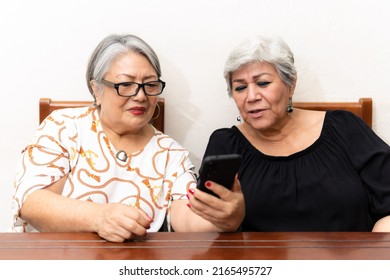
46, 106
362, 108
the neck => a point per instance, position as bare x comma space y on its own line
129, 141
275, 133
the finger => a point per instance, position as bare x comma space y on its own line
225, 193
139, 216
206, 213
117, 237
114, 233
132, 226
203, 199
202, 206
221, 191
136, 221
236, 185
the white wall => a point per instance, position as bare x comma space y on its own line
342, 51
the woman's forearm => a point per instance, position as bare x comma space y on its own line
382, 225
184, 220
49, 211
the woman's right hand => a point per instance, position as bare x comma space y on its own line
118, 222
225, 213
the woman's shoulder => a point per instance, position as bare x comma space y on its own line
348, 128
71, 114
69, 120
225, 132
225, 141
344, 119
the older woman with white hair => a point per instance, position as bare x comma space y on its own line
301, 170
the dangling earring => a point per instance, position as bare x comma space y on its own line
158, 112
96, 105
239, 118
289, 108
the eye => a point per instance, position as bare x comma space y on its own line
152, 85
127, 85
263, 84
240, 88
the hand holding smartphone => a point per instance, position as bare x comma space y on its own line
220, 169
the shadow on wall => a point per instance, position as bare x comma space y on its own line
180, 113
306, 82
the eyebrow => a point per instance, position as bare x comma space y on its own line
132, 77
253, 78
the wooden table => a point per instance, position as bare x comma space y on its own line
199, 246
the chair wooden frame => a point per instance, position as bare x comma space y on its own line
362, 108
46, 106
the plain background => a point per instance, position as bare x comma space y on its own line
341, 47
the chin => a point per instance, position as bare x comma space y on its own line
135, 123
259, 124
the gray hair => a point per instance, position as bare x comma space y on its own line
112, 47
262, 49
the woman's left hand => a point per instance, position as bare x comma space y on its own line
226, 212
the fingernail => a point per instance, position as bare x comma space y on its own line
208, 184
187, 195
191, 191
188, 205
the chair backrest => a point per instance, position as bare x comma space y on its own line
362, 108
46, 106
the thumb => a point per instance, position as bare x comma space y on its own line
236, 185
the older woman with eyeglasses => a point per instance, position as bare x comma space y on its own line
105, 169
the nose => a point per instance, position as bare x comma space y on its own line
253, 92
140, 95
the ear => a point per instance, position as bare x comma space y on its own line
292, 89
96, 92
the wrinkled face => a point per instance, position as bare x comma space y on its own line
260, 95
126, 114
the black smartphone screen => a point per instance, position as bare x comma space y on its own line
220, 169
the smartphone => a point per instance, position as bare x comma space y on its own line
220, 169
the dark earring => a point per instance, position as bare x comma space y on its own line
96, 105
289, 108
239, 118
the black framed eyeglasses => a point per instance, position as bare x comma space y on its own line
128, 89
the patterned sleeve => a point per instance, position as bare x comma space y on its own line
46, 159
185, 178
180, 172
